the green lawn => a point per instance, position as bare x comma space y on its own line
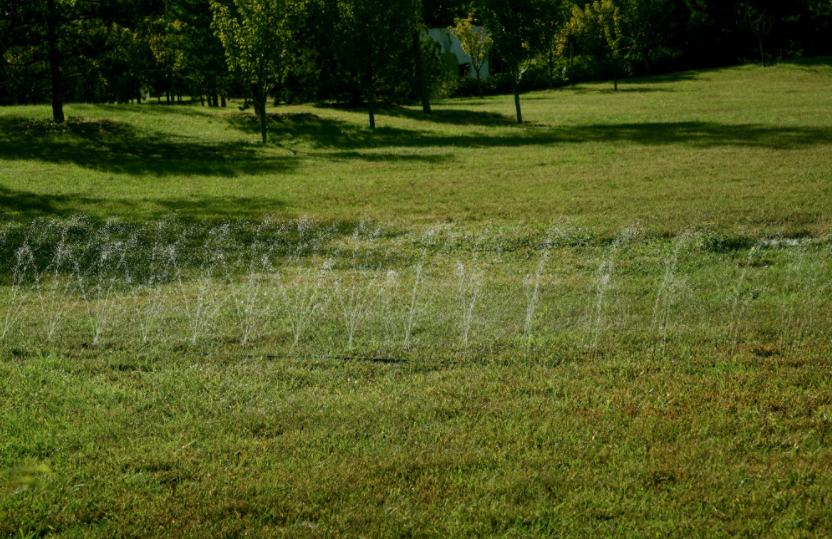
611, 321
741, 146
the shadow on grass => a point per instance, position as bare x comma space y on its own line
451, 116
117, 147
18, 204
816, 64
105, 145
331, 134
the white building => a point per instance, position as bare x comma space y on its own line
451, 45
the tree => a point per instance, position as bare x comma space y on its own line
375, 34
476, 43
203, 54
514, 26
554, 14
254, 39
64, 34
599, 32
649, 23
759, 21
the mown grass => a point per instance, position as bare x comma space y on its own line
620, 324
738, 147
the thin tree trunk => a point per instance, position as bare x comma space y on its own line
762, 55
479, 82
167, 96
517, 101
55, 62
615, 75
260, 109
371, 97
215, 98
222, 100
420, 73
139, 98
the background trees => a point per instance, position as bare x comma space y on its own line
57, 40
364, 51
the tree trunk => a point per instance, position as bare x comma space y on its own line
517, 101
551, 67
420, 73
55, 62
139, 98
571, 55
202, 100
215, 99
222, 100
647, 60
479, 81
263, 120
615, 75
167, 96
260, 110
371, 97
762, 54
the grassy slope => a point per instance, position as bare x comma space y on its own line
700, 442
741, 146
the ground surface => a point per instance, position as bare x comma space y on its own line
611, 321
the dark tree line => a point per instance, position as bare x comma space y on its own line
362, 51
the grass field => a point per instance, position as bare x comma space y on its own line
611, 321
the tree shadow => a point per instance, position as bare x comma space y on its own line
453, 117
815, 64
349, 138
116, 147
18, 204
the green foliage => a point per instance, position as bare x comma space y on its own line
475, 43
514, 28
598, 31
375, 36
254, 37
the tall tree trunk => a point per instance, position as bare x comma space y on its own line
420, 73
615, 74
517, 100
479, 82
202, 99
215, 99
55, 62
167, 96
139, 97
222, 100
